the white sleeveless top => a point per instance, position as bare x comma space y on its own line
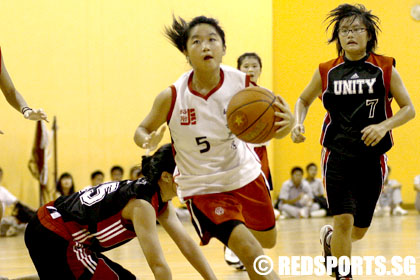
209, 158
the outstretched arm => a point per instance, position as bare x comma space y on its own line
185, 243
15, 99
146, 135
143, 216
309, 94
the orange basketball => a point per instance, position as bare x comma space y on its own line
250, 115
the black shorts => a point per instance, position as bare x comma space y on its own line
353, 185
57, 258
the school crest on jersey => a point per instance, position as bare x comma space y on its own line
187, 116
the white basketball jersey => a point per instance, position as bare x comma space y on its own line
209, 158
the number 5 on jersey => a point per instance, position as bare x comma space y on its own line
202, 141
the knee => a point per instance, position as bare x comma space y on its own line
268, 242
358, 234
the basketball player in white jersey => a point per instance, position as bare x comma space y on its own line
218, 175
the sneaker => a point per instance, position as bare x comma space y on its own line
326, 231
232, 259
345, 278
398, 211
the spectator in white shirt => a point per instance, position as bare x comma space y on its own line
296, 198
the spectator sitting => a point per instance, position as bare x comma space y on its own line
390, 199
317, 187
10, 226
96, 178
117, 173
65, 185
296, 199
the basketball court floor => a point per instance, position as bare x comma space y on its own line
388, 237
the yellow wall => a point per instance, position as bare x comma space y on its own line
97, 66
299, 45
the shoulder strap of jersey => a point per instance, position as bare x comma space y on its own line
325, 67
385, 63
173, 99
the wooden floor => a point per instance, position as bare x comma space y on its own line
388, 236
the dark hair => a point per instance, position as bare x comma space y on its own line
59, 187
295, 169
357, 11
96, 173
248, 54
179, 32
162, 160
310, 165
136, 169
117, 167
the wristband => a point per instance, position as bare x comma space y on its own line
25, 109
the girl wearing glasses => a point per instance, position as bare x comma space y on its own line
356, 89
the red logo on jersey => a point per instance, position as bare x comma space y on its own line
188, 116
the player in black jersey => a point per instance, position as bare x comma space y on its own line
67, 237
356, 90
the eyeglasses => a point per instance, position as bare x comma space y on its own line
345, 31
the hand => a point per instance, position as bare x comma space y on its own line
36, 115
152, 140
372, 134
1, 132
287, 119
297, 133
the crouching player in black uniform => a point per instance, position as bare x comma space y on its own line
66, 238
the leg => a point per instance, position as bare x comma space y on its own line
396, 202
47, 250
257, 210
341, 237
291, 210
247, 248
267, 238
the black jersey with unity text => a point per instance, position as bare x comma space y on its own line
356, 94
92, 216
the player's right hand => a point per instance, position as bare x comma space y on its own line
297, 133
152, 140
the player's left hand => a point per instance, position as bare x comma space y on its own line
287, 119
36, 115
373, 134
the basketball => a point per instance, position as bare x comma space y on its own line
250, 115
